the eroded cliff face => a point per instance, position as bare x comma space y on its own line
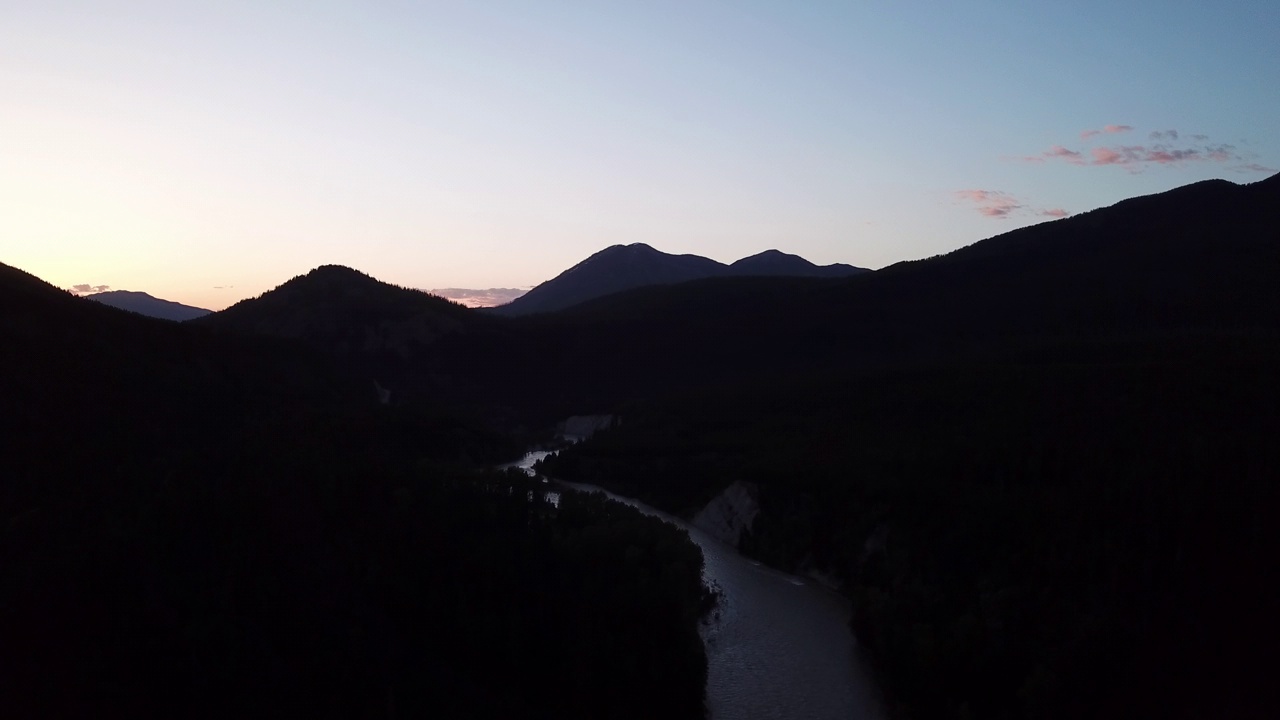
729, 513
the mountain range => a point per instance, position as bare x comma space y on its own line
623, 267
144, 304
1061, 436
1198, 258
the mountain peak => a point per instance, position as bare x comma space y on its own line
779, 264
624, 267
342, 309
336, 273
613, 269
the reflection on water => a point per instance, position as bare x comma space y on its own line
778, 646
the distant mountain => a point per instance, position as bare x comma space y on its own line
145, 304
1199, 259
624, 267
774, 263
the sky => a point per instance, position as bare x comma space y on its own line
205, 152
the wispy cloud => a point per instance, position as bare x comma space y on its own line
87, 289
1106, 129
999, 204
992, 203
1108, 156
1169, 148
1057, 152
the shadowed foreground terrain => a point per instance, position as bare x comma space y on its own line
210, 526
1041, 466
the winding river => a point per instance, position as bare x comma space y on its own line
778, 646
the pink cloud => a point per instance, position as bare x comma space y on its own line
998, 211
1253, 167
991, 203
999, 204
474, 298
1071, 156
1108, 129
1107, 156
87, 289
1170, 148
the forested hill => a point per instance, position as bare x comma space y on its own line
341, 310
198, 523
420, 347
68, 364
1197, 259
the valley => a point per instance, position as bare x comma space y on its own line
1038, 470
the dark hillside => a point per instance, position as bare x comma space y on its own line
199, 523
1079, 530
1201, 259
1041, 465
345, 312
420, 347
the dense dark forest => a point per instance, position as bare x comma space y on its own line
200, 525
1043, 538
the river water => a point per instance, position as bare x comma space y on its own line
778, 646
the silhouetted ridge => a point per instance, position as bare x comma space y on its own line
1270, 184
780, 264
1200, 259
18, 287
144, 304
343, 310
623, 267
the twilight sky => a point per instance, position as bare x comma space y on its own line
208, 151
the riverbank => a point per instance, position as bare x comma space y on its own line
778, 646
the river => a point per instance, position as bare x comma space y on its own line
778, 646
